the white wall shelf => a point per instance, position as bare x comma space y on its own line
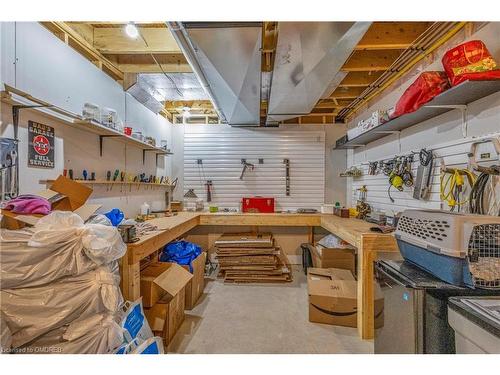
16, 97
454, 98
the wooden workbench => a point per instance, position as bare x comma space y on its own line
353, 231
369, 244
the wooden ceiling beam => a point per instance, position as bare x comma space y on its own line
369, 61
392, 35
132, 63
115, 41
347, 92
76, 41
360, 79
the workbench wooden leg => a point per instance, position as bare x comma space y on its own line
365, 293
311, 235
130, 280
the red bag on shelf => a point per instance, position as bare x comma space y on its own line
470, 61
425, 87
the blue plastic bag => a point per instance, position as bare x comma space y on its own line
180, 252
116, 216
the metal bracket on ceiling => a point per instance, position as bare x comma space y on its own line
463, 110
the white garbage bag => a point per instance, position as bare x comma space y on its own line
32, 312
59, 245
133, 321
5, 335
98, 334
99, 219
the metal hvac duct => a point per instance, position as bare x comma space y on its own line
226, 58
145, 94
309, 56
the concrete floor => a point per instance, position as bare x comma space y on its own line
260, 318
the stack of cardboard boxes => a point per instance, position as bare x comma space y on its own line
332, 287
250, 257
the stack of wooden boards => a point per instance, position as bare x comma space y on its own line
251, 258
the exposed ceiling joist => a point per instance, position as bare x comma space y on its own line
172, 63
347, 92
367, 61
115, 41
392, 35
360, 79
80, 44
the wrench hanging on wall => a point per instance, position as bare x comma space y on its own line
287, 176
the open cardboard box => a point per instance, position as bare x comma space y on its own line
65, 195
195, 287
163, 291
325, 257
333, 298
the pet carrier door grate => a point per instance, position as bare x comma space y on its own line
484, 255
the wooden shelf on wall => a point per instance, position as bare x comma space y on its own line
111, 183
14, 96
105, 132
460, 95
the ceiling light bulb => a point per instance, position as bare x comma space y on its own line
131, 30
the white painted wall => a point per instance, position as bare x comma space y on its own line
442, 132
332, 190
48, 69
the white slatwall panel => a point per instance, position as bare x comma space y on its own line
454, 155
222, 147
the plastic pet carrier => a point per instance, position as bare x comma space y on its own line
461, 249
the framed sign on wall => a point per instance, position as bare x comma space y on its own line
41, 145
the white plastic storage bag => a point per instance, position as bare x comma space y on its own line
32, 312
153, 345
59, 245
5, 335
98, 334
134, 322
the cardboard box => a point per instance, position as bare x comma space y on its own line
332, 298
163, 288
167, 315
159, 279
65, 195
342, 258
195, 287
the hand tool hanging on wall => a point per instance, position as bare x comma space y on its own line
287, 176
372, 168
208, 186
245, 167
406, 174
424, 174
